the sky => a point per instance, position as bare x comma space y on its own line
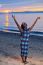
18, 3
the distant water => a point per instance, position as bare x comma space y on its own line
21, 16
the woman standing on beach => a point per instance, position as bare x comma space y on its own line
24, 37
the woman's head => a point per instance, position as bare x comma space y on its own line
24, 26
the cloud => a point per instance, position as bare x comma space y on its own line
17, 1
0, 5
21, 6
23, 9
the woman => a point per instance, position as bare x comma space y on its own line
24, 37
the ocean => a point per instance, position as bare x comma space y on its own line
6, 20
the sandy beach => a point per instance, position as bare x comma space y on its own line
14, 60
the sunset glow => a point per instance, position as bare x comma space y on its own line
22, 9
7, 20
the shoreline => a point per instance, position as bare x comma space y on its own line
17, 61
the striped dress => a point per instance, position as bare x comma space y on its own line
24, 42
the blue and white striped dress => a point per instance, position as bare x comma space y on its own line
24, 42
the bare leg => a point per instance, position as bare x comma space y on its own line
23, 59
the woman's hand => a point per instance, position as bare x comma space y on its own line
13, 17
38, 18
34, 23
17, 23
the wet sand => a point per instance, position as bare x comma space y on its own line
14, 60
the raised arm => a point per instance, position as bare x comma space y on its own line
17, 23
30, 28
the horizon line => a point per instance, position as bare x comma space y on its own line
24, 12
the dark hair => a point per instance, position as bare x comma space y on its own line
23, 25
